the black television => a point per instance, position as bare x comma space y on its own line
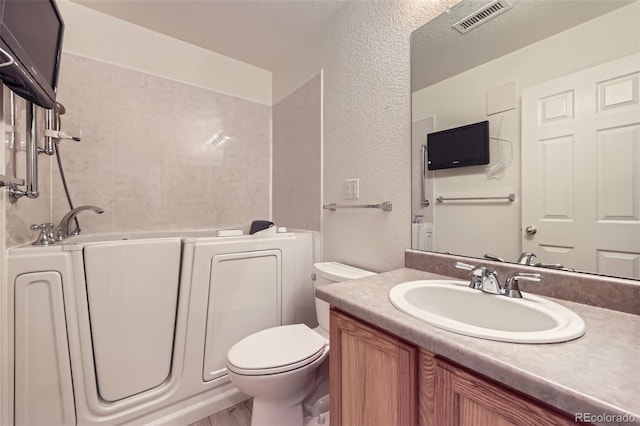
458, 147
31, 45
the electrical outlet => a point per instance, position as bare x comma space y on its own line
352, 189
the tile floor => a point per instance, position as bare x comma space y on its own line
238, 415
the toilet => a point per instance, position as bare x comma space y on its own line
284, 367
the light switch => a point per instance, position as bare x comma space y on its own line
352, 189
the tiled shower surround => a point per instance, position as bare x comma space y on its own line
145, 157
297, 157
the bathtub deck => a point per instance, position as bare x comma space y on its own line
238, 415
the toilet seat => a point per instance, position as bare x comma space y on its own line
276, 350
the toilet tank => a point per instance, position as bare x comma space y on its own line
328, 273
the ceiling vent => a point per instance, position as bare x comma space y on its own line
481, 16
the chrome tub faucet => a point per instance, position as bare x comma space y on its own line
50, 235
64, 227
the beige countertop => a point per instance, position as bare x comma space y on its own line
598, 373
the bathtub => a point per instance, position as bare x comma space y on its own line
133, 328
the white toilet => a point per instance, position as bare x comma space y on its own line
281, 367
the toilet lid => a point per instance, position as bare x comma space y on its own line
279, 348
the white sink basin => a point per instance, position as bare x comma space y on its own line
453, 306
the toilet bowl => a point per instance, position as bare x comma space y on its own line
281, 366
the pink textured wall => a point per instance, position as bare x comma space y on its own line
297, 157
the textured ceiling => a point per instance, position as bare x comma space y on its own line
438, 51
259, 33
263, 32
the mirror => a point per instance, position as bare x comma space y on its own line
516, 70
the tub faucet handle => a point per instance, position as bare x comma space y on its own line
46, 236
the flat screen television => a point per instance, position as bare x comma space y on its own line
31, 42
458, 147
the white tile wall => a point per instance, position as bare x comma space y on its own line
144, 156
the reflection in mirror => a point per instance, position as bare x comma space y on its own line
559, 83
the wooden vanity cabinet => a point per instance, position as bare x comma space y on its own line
379, 380
373, 379
462, 398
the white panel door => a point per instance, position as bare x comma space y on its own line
132, 291
581, 169
43, 389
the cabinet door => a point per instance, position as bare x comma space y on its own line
373, 376
463, 399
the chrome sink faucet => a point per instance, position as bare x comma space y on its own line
511, 288
481, 278
64, 228
487, 280
526, 258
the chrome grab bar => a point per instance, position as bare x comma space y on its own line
510, 198
31, 190
10, 127
425, 201
385, 206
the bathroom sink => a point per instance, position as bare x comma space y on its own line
453, 306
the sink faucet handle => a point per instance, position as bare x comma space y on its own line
464, 266
476, 271
481, 278
511, 288
493, 257
549, 265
